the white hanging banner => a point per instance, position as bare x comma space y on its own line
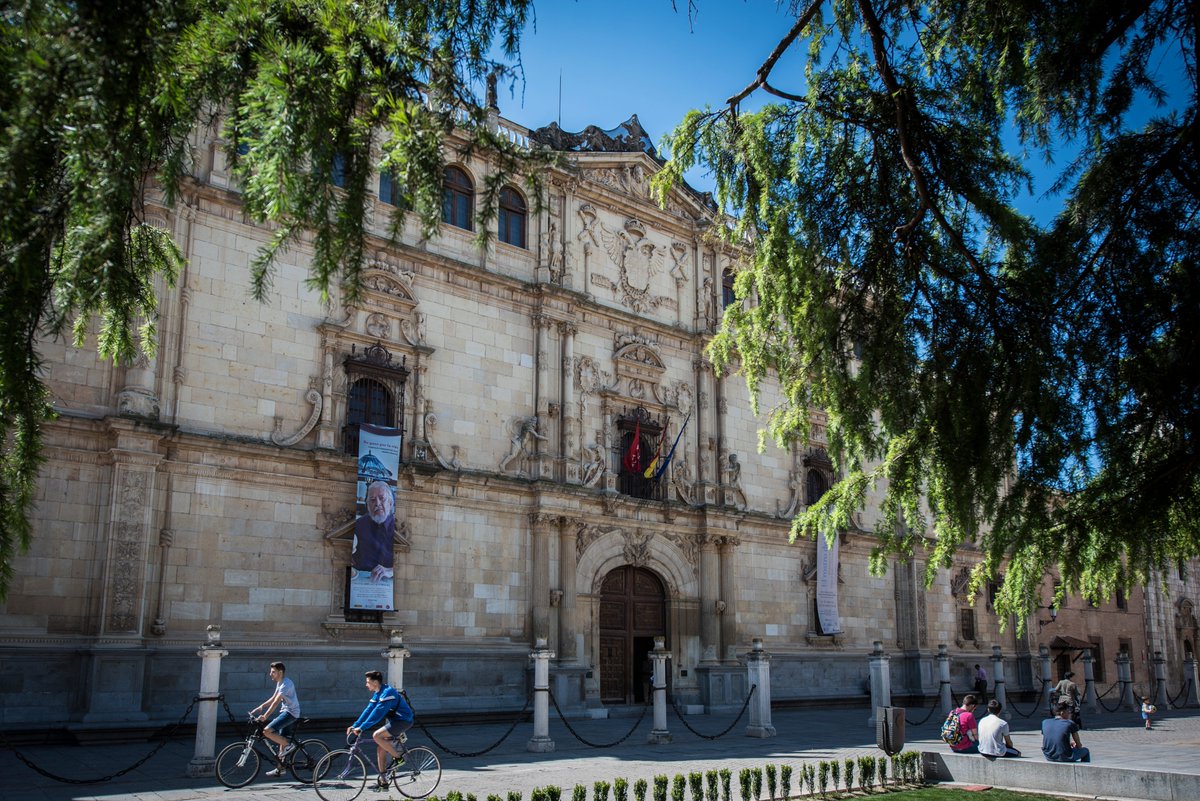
827, 585
372, 582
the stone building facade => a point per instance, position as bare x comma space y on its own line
215, 482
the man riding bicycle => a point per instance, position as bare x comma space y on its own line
277, 730
390, 708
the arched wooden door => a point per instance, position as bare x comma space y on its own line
633, 611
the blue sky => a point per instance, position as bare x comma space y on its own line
620, 57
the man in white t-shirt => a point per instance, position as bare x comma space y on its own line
993, 734
277, 730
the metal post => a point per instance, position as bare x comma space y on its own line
1160, 682
758, 666
204, 759
1125, 679
1089, 683
1047, 685
945, 695
659, 735
541, 656
395, 654
881, 681
1192, 677
999, 692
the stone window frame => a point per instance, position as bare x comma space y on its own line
513, 218
455, 193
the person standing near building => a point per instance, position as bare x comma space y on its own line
1060, 738
277, 730
388, 707
980, 683
993, 734
1148, 710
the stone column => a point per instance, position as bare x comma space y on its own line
703, 475
540, 742
1192, 676
1125, 678
1089, 683
396, 653
571, 446
945, 696
1160, 682
710, 589
1047, 685
999, 692
727, 548
881, 681
204, 759
541, 525
568, 542
758, 669
660, 735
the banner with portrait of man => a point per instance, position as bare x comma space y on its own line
372, 556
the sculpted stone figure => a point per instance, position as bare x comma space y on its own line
523, 440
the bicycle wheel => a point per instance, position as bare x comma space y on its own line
420, 773
303, 761
237, 765
340, 776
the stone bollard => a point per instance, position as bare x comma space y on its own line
1192, 676
1161, 700
999, 692
659, 735
395, 654
1047, 685
758, 666
541, 656
881, 681
1089, 683
204, 759
944, 691
1125, 679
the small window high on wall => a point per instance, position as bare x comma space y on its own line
513, 217
458, 199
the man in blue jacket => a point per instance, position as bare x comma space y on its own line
388, 707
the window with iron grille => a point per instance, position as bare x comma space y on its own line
966, 623
633, 482
375, 392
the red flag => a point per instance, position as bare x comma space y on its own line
632, 460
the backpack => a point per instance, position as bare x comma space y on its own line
952, 732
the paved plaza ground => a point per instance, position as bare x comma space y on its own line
803, 735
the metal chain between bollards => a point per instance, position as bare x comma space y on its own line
936, 702
1183, 691
1117, 705
580, 737
1033, 711
520, 716
101, 779
686, 725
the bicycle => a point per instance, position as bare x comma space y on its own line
342, 775
238, 763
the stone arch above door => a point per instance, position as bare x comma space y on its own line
606, 548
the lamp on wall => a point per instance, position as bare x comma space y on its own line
1053, 610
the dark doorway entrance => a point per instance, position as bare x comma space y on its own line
633, 611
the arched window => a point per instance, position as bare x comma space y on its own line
512, 217
817, 487
369, 402
458, 198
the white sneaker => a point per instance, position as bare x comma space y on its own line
275, 772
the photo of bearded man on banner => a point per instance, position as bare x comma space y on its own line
375, 532
373, 552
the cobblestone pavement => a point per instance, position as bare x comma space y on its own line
803, 735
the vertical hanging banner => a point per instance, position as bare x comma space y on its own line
827, 581
372, 560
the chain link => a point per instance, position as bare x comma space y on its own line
101, 779
932, 709
1183, 691
520, 716
686, 725
1032, 711
580, 737
1116, 705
